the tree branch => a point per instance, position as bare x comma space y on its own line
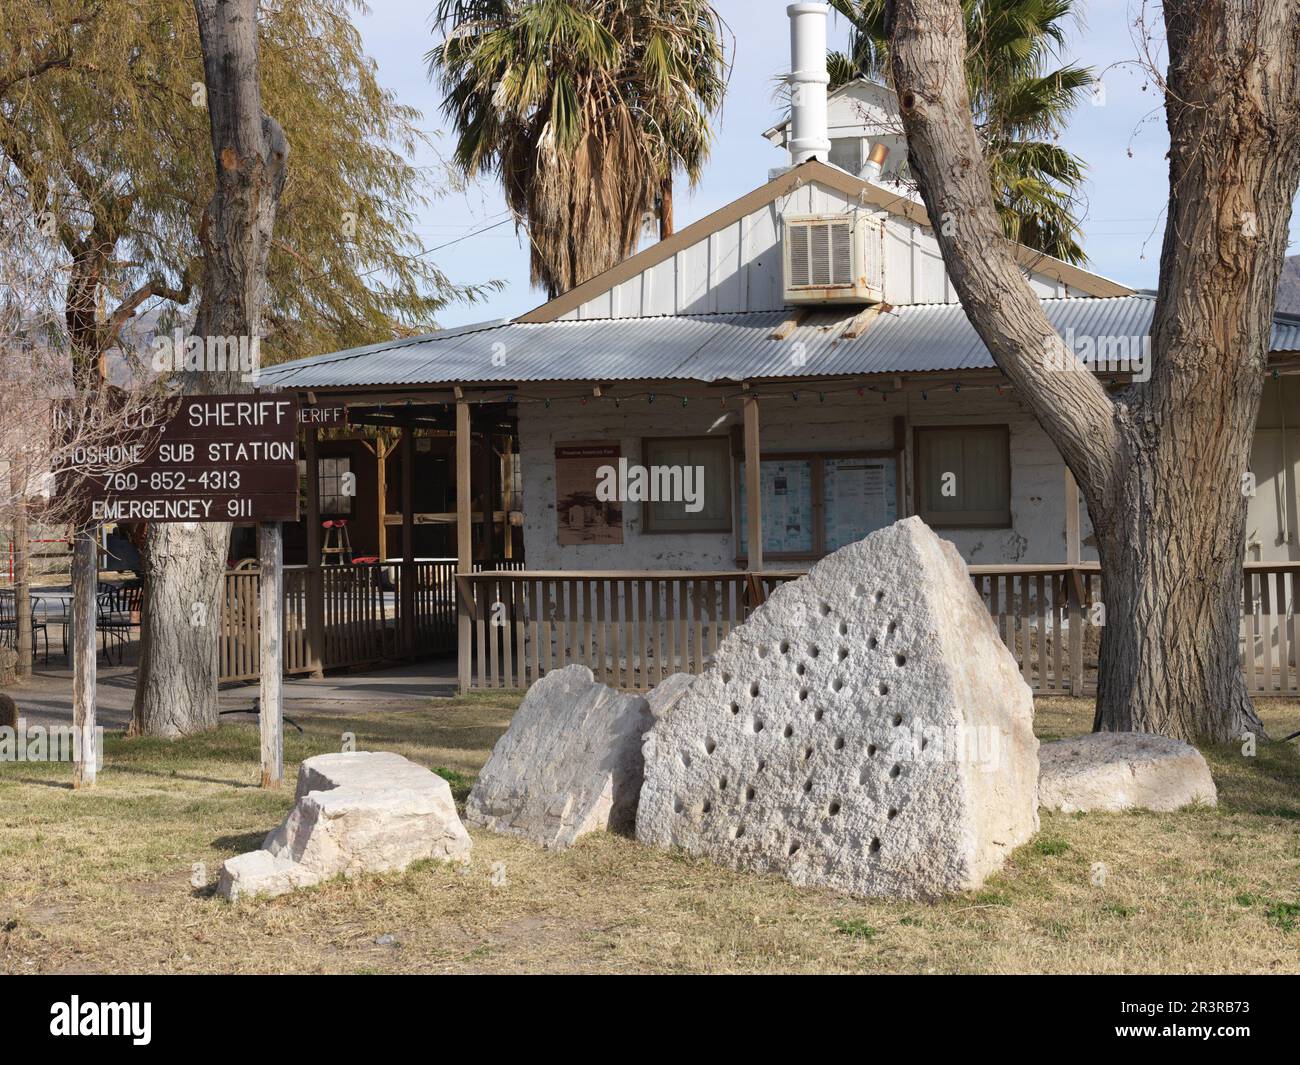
35, 70
155, 286
928, 56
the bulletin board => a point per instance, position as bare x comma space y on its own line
817, 502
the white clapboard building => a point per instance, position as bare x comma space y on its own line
801, 354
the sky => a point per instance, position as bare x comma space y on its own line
1120, 134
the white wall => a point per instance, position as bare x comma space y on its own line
841, 422
738, 267
1273, 514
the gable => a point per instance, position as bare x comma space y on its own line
730, 261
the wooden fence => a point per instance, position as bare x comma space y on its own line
633, 629
365, 617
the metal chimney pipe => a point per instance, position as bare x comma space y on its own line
875, 163
808, 80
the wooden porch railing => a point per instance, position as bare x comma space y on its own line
631, 628
634, 628
362, 615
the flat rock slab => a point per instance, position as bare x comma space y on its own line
363, 811
865, 729
1122, 771
569, 764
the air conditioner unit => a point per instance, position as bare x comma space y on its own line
834, 258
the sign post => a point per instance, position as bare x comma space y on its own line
202, 459
85, 580
270, 557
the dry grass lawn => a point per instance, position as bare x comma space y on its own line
100, 881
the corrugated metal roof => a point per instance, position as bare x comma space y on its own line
709, 347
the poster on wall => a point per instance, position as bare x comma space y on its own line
580, 517
861, 497
787, 506
854, 494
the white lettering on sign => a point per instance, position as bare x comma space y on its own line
250, 451
178, 453
323, 415
150, 509
240, 412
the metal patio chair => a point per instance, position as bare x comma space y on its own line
117, 613
9, 625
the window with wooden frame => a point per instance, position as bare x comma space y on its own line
698, 467
963, 476
332, 498
815, 502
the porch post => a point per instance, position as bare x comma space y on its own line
507, 530
381, 487
464, 551
315, 580
408, 570
753, 484
485, 482
1073, 556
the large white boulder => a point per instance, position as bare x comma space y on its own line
865, 729
569, 764
362, 811
1122, 771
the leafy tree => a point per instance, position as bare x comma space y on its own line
105, 135
584, 109
104, 132
1019, 100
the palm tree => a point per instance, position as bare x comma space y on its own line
1020, 98
584, 109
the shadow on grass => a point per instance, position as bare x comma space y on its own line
176, 774
61, 785
245, 841
1258, 784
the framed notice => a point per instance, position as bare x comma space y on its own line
787, 506
581, 517
814, 503
861, 496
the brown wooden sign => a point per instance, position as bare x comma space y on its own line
207, 458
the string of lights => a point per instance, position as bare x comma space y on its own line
812, 394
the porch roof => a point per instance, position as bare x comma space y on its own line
709, 347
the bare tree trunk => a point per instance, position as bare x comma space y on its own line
1171, 552
1160, 463
666, 206
22, 580
177, 691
